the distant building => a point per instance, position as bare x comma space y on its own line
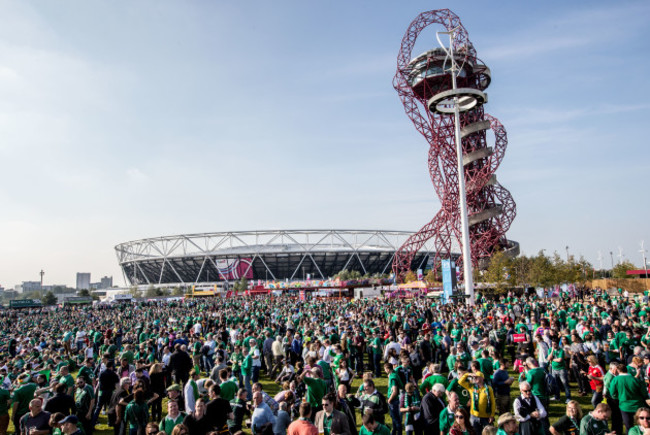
28, 286
106, 282
83, 281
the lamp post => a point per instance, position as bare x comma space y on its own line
567, 253
611, 256
645, 265
42, 273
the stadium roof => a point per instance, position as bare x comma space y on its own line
275, 254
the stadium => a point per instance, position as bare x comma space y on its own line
193, 259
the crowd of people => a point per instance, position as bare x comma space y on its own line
195, 367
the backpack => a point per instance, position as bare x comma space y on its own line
552, 387
383, 403
380, 409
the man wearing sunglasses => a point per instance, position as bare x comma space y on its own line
529, 410
330, 421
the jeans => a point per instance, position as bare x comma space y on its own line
562, 377
247, 385
393, 409
596, 398
376, 364
256, 374
617, 419
583, 382
102, 401
208, 362
628, 420
357, 361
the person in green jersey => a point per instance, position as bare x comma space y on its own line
448, 414
556, 358
371, 426
395, 386
316, 388
454, 386
136, 414
173, 418
84, 402
631, 394
5, 401
595, 423
21, 397
434, 377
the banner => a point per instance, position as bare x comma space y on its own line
518, 338
231, 269
448, 268
302, 295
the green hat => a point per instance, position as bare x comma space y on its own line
174, 387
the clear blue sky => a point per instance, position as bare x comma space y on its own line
125, 120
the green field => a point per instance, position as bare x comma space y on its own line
556, 408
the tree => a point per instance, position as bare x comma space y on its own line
49, 299
84, 292
620, 270
177, 291
586, 270
430, 278
152, 292
134, 292
541, 271
347, 275
498, 272
520, 270
410, 276
241, 285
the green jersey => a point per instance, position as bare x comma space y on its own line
23, 395
558, 353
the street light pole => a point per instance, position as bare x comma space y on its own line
567, 253
645, 265
42, 274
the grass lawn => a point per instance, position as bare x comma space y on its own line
556, 410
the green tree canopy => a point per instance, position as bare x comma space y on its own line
620, 270
49, 299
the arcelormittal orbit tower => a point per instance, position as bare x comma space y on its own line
424, 84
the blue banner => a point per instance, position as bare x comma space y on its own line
448, 268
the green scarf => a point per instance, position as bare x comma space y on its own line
475, 399
195, 389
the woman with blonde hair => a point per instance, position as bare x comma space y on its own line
641, 422
181, 429
570, 422
596, 376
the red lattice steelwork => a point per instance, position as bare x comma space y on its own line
422, 84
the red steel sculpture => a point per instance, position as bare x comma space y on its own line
424, 85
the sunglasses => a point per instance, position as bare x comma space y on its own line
459, 416
644, 418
